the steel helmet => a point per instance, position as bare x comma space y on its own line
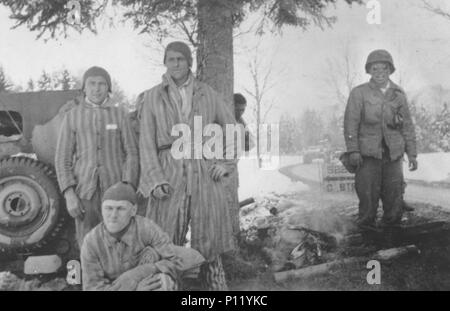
380, 56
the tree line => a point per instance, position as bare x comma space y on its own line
47, 81
60, 80
313, 127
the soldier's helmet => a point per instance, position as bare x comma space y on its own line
380, 56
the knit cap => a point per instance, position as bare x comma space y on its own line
97, 72
120, 192
179, 47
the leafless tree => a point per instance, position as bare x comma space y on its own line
436, 9
264, 79
342, 74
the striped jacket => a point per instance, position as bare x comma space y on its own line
210, 218
96, 146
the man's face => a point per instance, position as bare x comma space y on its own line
380, 73
96, 89
239, 110
117, 214
177, 66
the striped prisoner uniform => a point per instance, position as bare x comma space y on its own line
96, 148
196, 198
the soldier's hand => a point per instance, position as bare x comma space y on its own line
161, 192
356, 159
217, 171
73, 203
413, 165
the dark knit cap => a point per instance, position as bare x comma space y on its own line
120, 192
239, 99
97, 72
180, 47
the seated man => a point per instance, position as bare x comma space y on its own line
126, 251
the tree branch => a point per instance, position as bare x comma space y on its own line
435, 9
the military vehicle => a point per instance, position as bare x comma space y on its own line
33, 217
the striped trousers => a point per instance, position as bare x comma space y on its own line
212, 275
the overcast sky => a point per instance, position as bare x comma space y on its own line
418, 40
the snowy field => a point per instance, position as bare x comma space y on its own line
287, 160
255, 182
433, 167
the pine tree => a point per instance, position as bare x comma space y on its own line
312, 128
63, 80
207, 24
44, 82
5, 85
30, 85
67, 81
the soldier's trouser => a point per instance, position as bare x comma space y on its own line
380, 179
92, 217
212, 274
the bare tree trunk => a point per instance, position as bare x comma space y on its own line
215, 67
258, 140
215, 49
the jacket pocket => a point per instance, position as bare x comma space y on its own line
370, 145
372, 112
392, 115
396, 144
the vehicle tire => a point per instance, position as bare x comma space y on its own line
31, 207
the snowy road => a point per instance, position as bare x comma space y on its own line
309, 174
430, 195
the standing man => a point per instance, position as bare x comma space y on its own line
189, 191
240, 104
96, 148
378, 130
232, 181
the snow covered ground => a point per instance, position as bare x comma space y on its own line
433, 167
255, 182
287, 160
